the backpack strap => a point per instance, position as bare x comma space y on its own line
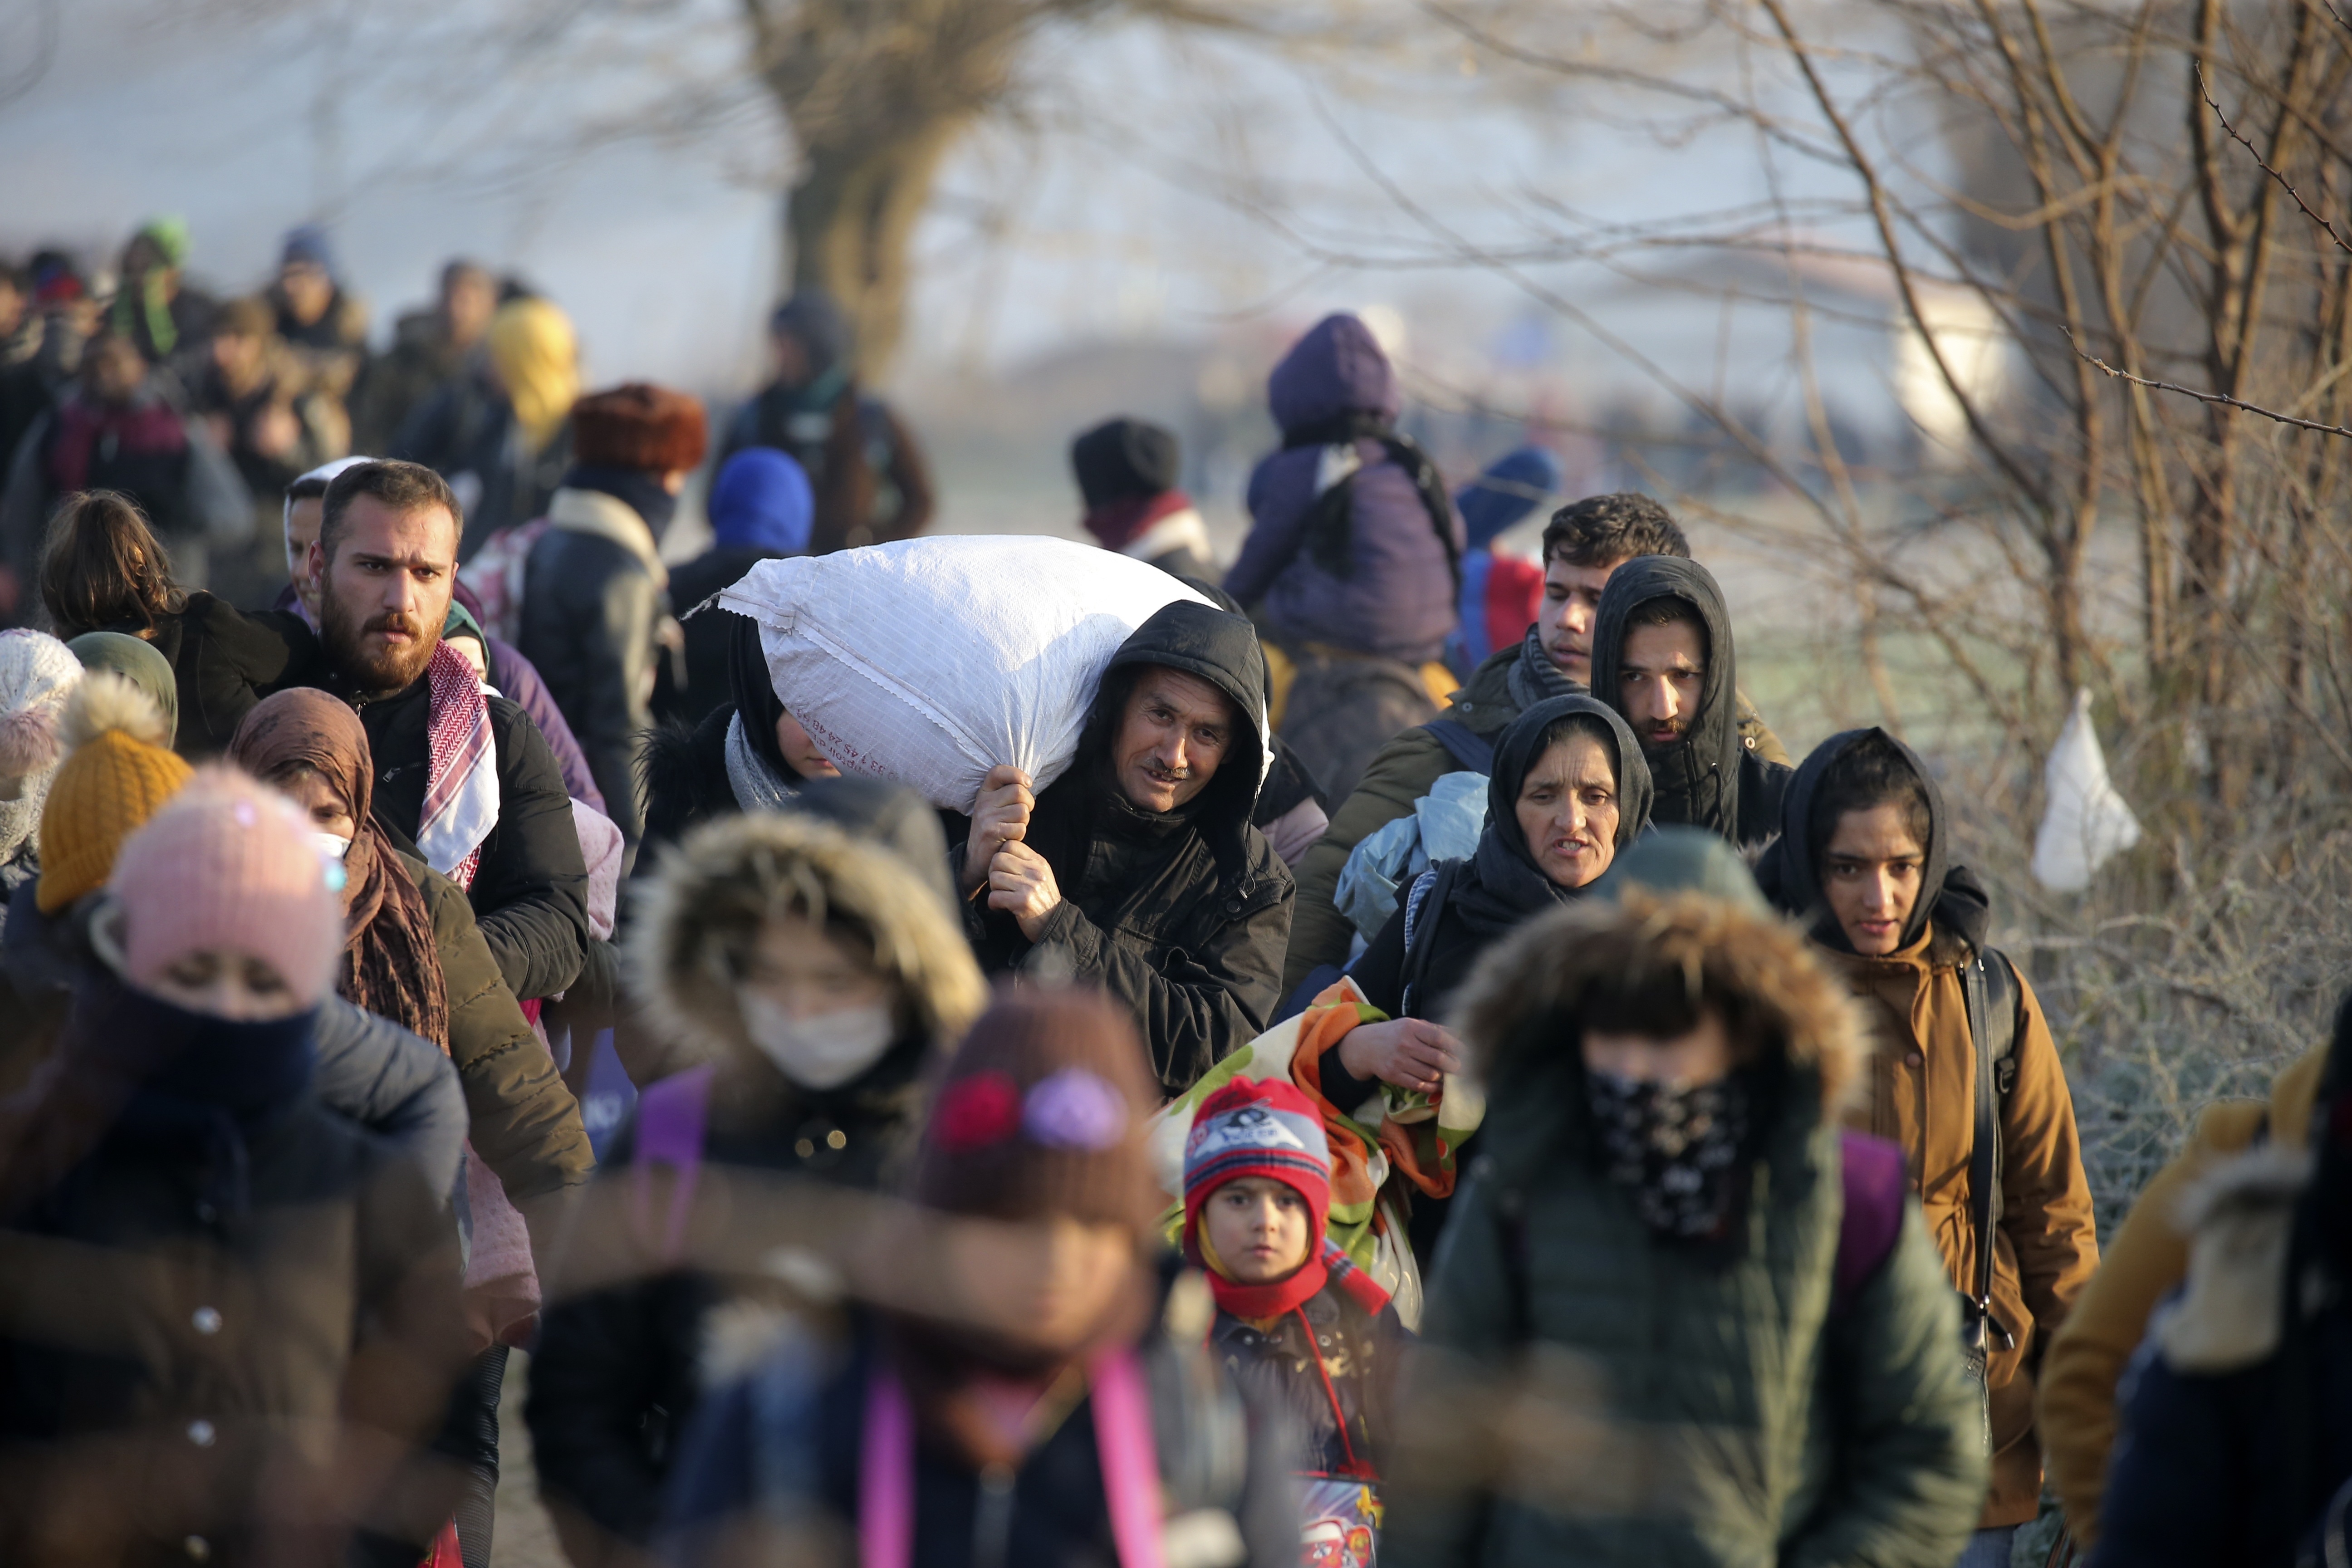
671, 1118
1876, 1186
1465, 745
1984, 1152
1423, 906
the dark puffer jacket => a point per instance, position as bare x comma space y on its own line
530, 891
1183, 916
590, 606
204, 1275
1664, 1402
1392, 591
1713, 777
619, 1368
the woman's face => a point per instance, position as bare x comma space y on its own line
1871, 871
800, 751
807, 972
320, 801
1568, 810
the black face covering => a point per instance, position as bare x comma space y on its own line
1697, 778
1505, 885
1791, 872
1671, 1151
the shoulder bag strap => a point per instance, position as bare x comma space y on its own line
1984, 1153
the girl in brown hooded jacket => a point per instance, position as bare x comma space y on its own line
1864, 859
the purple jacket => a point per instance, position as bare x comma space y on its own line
1397, 600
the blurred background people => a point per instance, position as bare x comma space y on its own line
127, 427
1127, 472
500, 434
1502, 595
429, 348
319, 321
167, 321
869, 474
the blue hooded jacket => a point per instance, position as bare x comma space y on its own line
1335, 391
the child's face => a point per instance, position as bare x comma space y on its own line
1047, 1282
231, 985
1258, 1228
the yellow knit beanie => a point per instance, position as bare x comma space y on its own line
116, 777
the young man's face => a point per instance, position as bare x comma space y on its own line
1570, 603
1870, 874
385, 592
1660, 681
1176, 730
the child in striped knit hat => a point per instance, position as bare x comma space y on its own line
1298, 1324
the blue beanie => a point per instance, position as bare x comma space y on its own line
760, 500
1500, 498
308, 243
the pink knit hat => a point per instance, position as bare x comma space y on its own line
227, 865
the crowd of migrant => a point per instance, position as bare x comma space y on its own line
1424, 1079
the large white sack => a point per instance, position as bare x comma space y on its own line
931, 661
2086, 820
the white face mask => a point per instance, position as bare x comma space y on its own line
333, 846
823, 1052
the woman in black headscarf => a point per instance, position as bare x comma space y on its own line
746, 753
1569, 791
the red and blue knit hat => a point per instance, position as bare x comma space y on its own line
1257, 1128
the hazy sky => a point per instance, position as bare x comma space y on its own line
1158, 185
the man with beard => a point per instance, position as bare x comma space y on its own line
462, 775
1662, 655
1137, 870
1585, 543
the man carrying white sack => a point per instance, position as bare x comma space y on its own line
1137, 870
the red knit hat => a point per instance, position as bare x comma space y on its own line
639, 426
1259, 1127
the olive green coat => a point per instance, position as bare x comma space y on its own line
1594, 1394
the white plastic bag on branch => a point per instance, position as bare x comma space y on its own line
930, 661
2087, 821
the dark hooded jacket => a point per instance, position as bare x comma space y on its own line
618, 1370
1491, 893
1181, 915
1712, 777
1711, 1402
1922, 1078
1369, 564
199, 1264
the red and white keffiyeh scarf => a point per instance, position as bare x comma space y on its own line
461, 787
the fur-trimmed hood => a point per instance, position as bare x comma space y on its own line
1517, 1011
710, 894
2239, 1220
